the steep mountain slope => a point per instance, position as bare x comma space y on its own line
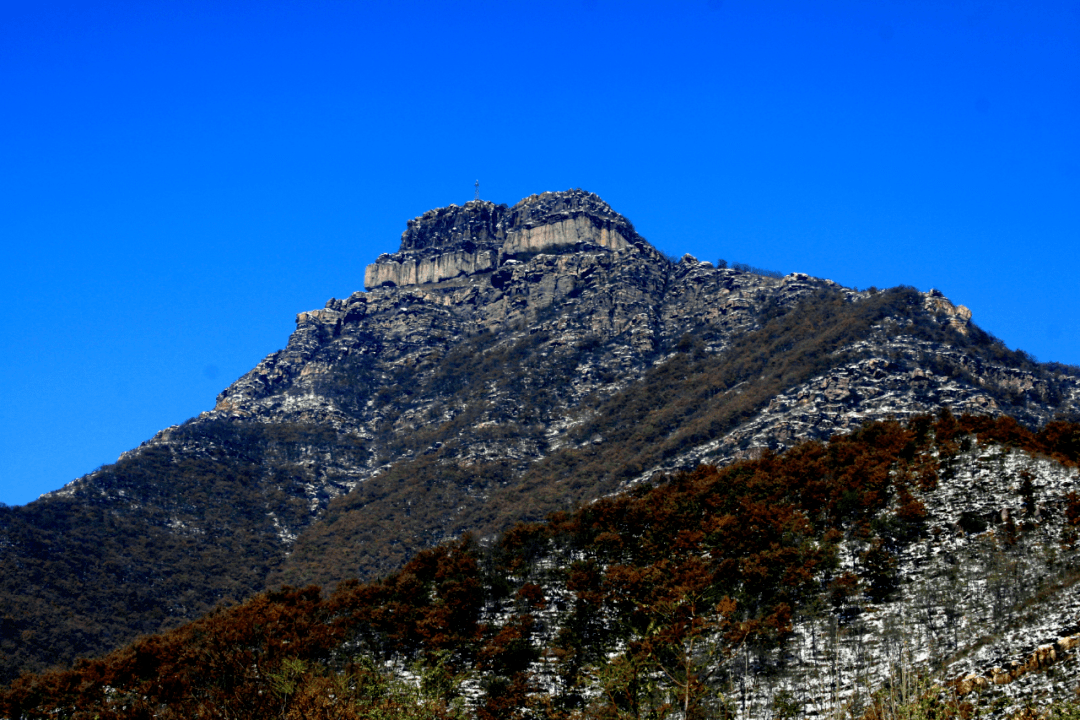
506, 362
826, 581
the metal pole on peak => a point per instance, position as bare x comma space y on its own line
477, 196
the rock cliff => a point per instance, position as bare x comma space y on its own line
481, 236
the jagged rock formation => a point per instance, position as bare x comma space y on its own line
481, 236
505, 362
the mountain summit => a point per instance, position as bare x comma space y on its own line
481, 237
506, 362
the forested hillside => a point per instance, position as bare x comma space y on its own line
505, 363
79, 575
822, 580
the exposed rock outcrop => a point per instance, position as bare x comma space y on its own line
481, 236
958, 316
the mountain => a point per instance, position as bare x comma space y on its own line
507, 362
824, 581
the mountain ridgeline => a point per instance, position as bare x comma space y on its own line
504, 364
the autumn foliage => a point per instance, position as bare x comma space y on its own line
633, 605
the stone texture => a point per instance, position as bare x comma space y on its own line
481, 236
581, 230
958, 316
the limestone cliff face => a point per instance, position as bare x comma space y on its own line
417, 271
573, 231
481, 236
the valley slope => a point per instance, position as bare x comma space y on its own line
919, 570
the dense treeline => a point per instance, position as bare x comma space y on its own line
631, 606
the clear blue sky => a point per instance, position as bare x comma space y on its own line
179, 179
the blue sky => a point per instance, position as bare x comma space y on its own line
179, 179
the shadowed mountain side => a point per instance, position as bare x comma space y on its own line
159, 537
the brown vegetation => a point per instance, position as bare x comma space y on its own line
630, 595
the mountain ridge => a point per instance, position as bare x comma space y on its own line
505, 363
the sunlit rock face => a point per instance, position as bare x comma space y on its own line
431, 269
959, 316
481, 236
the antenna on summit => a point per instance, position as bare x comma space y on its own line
477, 196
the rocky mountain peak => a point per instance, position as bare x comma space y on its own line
481, 236
452, 227
958, 317
552, 207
